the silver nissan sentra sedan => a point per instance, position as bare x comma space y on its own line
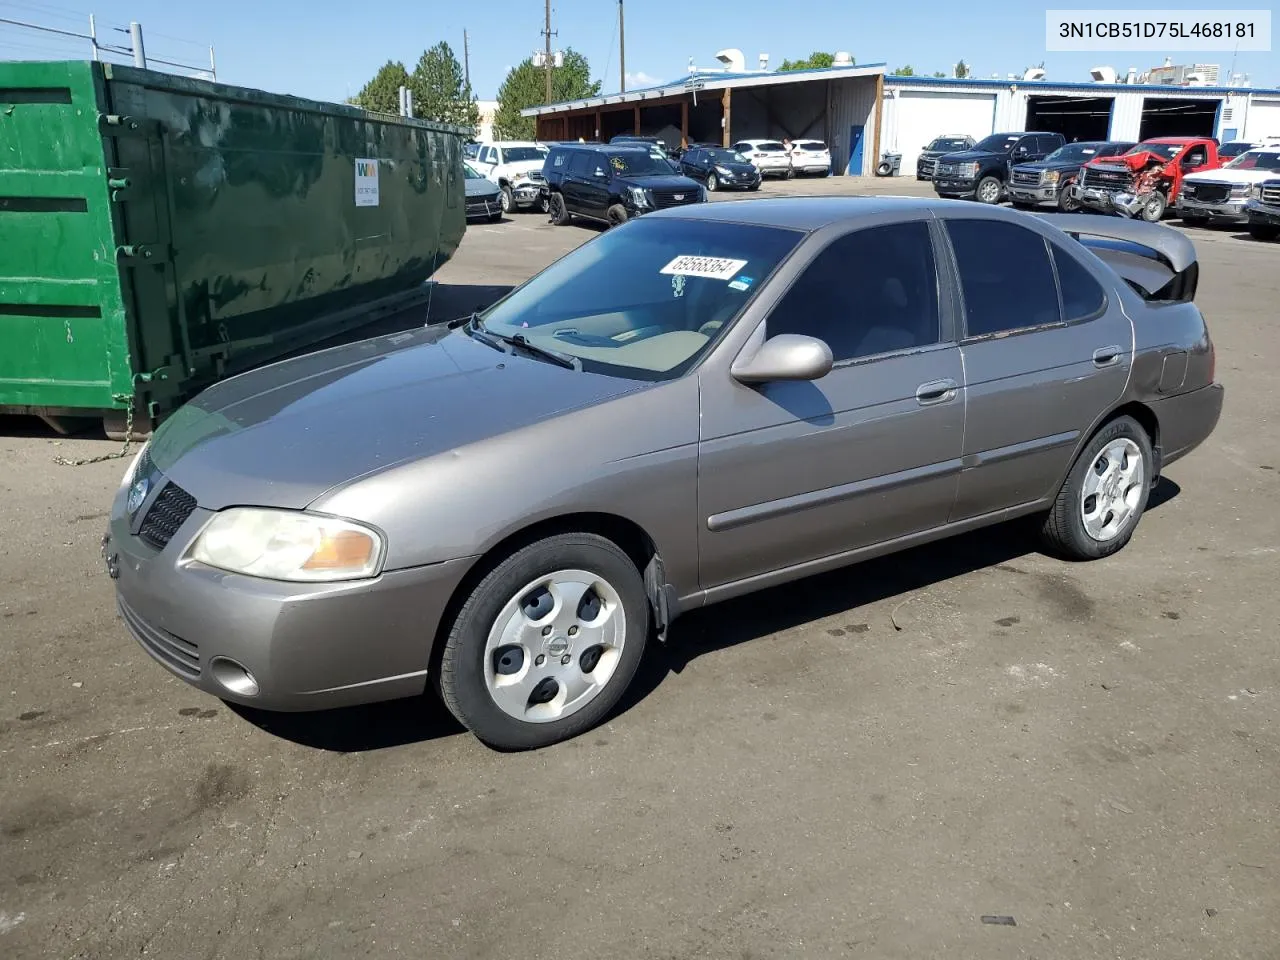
698, 404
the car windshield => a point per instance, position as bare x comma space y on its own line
726, 156
1073, 152
1166, 150
644, 301
1233, 149
636, 164
523, 154
949, 143
471, 173
1000, 142
1256, 160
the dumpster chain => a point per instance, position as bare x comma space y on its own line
118, 455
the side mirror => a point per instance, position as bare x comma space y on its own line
788, 356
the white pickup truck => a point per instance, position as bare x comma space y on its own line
516, 167
1221, 195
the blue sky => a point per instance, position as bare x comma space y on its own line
327, 49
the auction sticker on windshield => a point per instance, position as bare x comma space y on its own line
713, 268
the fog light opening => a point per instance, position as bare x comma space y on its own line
234, 677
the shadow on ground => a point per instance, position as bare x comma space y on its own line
726, 625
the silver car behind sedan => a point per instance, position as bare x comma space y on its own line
701, 403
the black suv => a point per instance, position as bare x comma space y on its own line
1046, 181
981, 172
612, 184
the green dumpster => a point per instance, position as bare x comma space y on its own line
158, 233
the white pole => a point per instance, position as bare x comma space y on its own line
139, 52
93, 36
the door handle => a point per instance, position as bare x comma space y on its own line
1106, 356
936, 391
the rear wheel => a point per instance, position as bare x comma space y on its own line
556, 208
1104, 495
988, 190
713, 183
547, 643
1264, 231
617, 215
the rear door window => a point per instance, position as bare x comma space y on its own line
1006, 276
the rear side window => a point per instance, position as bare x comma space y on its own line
1082, 296
1005, 275
580, 164
557, 159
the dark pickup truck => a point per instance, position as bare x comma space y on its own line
1046, 181
982, 172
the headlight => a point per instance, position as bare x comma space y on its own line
724, 172
287, 545
131, 474
1240, 189
1051, 176
638, 197
967, 169
1256, 191
519, 176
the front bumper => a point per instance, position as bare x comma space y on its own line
1259, 212
526, 193
1096, 198
483, 206
949, 186
1030, 193
739, 180
1224, 209
306, 646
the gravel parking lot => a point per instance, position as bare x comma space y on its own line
864, 764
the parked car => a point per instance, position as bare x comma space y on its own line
1263, 209
1144, 181
483, 196
510, 510
1048, 181
811, 157
612, 184
982, 172
769, 156
1233, 148
509, 164
1221, 195
470, 150
937, 147
720, 169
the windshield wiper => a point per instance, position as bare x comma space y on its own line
477, 329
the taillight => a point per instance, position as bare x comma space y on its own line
1213, 362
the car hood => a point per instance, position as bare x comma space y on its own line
522, 166
662, 182
1132, 161
1231, 176
282, 435
481, 188
735, 167
1058, 165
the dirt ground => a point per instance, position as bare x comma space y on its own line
864, 764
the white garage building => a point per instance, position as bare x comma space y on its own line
860, 111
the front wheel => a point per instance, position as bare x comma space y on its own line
790, 174
617, 215
713, 183
1153, 210
1104, 495
1066, 202
1264, 231
754, 187
988, 190
559, 213
507, 199
547, 643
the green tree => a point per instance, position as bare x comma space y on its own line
526, 86
961, 70
939, 74
439, 90
906, 71
812, 62
382, 93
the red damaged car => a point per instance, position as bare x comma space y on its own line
1144, 182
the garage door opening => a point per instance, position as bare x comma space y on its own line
1076, 118
1178, 118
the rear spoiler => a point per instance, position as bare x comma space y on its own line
1163, 267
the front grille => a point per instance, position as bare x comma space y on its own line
1106, 177
945, 169
674, 198
1026, 178
167, 514
482, 207
926, 165
1271, 192
181, 656
1208, 192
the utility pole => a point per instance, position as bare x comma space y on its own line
139, 51
547, 33
622, 51
466, 60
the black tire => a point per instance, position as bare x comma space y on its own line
1264, 231
1064, 531
1154, 209
556, 209
495, 217
884, 169
508, 200
462, 666
989, 190
713, 183
617, 215
1191, 220
1066, 204
754, 187
790, 174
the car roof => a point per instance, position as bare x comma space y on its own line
802, 213
1178, 140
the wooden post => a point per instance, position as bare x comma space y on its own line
637, 120
725, 104
826, 116
684, 122
875, 150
